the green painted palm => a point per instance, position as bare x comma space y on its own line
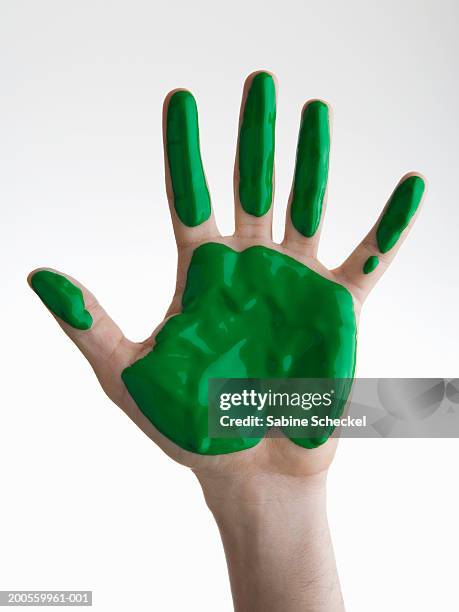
253, 314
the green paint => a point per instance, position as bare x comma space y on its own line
256, 146
191, 196
62, 297
401, 207
311, 168
370, 264
253, 314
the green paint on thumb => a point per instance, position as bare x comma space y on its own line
62, 297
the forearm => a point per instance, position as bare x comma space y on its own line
277, 544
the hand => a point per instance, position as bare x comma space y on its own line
244, 306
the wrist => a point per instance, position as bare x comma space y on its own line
276, 539
261, 493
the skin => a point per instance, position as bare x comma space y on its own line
269, 500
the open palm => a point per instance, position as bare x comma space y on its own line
244, 306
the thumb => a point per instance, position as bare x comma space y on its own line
85, 322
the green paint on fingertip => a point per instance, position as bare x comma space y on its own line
311, 168
256, 146
251, 314
191, 196
400, 209
62, 297
370, 264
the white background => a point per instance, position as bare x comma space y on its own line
87, 501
